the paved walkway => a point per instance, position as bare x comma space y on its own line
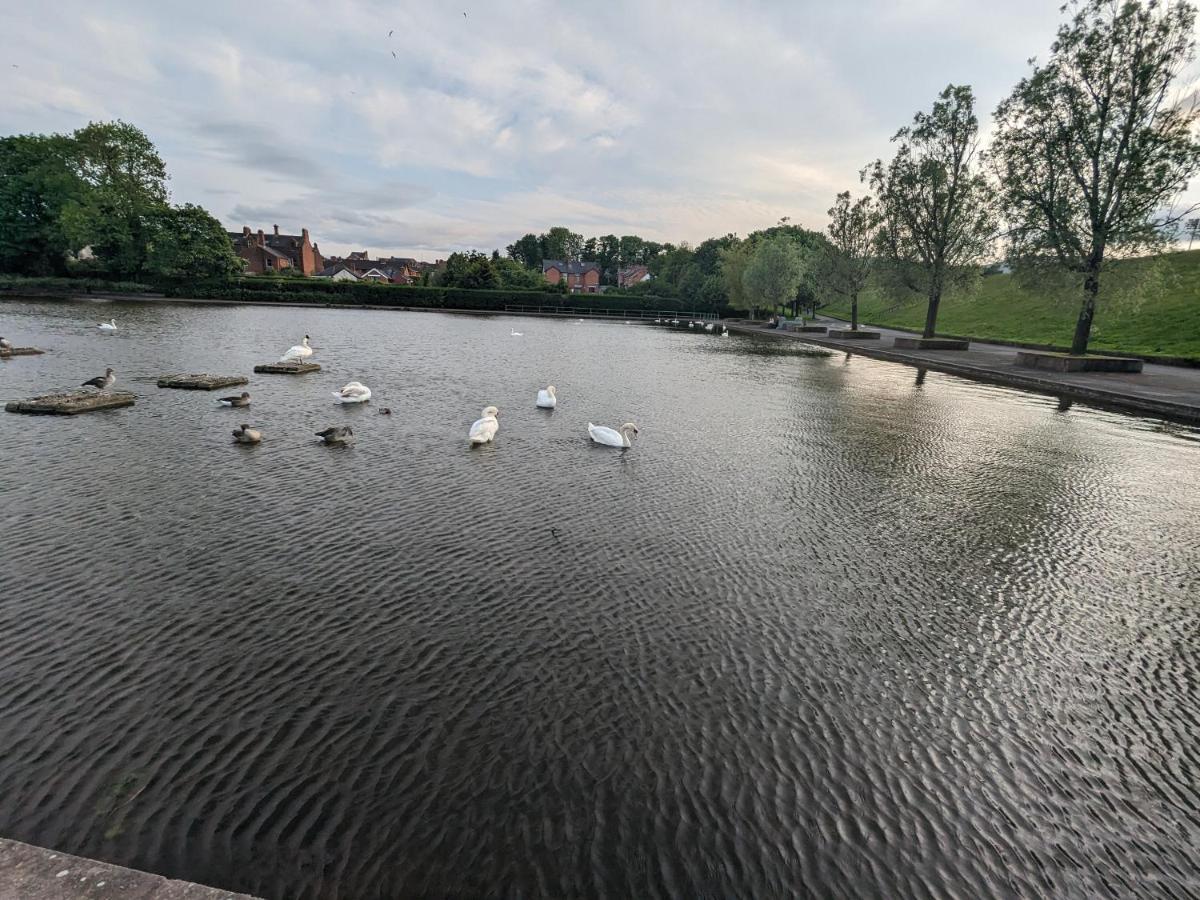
1169, 391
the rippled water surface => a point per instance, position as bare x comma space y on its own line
829, 629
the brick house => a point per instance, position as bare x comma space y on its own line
581, 277
632, 275
274, 252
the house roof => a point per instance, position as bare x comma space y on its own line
330, 271
574, 267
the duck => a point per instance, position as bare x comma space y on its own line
102, 382
337, 435
110, 325
485, 427
546, 398
239, 402
299, 353
5, 344
354, 392
386, 411
609, 437
244, 434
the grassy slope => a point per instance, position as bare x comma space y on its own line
1165, 321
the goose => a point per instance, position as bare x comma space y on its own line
609, 437
484, 428
110, 325
354, 392
247, 435
337, 435
514, 333
102, 382
299, 353
546, 398
5, 344
239, 402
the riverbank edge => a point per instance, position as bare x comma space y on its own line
1183, 362
35, 873
1098, 396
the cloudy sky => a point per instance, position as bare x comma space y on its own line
676, 121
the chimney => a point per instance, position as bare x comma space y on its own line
262, 241
276, 230
303, 235
246, 230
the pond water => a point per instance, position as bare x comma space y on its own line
831, 628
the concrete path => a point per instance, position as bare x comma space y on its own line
33, 873
1169, 391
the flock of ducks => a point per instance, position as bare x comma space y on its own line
483, 430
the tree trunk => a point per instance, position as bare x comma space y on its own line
935, 301
854, 312
1083, 327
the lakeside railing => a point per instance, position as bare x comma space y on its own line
584, 312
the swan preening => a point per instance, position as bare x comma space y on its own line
239, 401
485, 427
299, 353
110, 325
246, 435
354, 392
546, 398
610, 437
337, 435
102, 382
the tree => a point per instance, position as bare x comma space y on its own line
1193, 228
1091, 150
187, 242
561, 243
527, 251
37, 181
852, 231
774, 273
936, 209
732, 262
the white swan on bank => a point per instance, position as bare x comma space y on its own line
299, 353
484, 428
546, 398
110, 325
354, 392
610, 437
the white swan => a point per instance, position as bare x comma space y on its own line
547, 398
354, 392
708, 326
514, 333
485, 427
609, 437
725, 333
299, 353
110, 325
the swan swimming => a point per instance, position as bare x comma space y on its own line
239, 402
354, 392
247, 435
546, 398
708, 327
609, 437
514, 333
102, 382
484, 428
299, 353
110, 325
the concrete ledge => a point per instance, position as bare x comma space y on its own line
933, 343
1065, 362
847, 333
810, 329
201, 382
21, 351
33, 873
71, 403
287, 368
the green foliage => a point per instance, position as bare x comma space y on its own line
186, 242
774, 272
732, 262
63, 286
845, 265
936, 207
476, 271
1149, 308
527, 251
38, 179
1092, 149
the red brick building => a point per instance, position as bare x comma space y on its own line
581, 277
274, 252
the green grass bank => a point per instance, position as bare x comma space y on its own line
1151, 308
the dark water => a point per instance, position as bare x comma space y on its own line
829, 629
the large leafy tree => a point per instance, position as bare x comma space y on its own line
561, 243
732, 261
937, 208
1092, 149
38, 179
187, 242
853, 225
774, 273
527, 251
